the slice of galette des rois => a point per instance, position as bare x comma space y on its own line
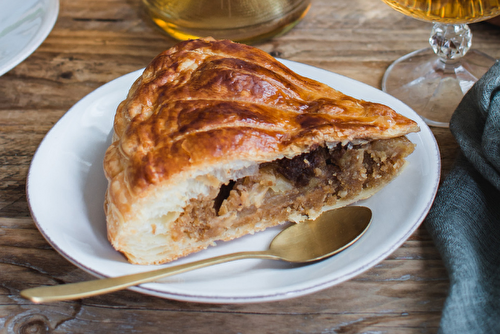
217, 140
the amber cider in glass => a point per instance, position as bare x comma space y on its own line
447, 11
246, 21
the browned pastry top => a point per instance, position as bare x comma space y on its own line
205, 101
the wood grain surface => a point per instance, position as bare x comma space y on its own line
94, 42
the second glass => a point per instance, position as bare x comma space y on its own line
246, 21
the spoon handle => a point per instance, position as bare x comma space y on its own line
96, 287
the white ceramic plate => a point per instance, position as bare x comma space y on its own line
24, 25
66, 187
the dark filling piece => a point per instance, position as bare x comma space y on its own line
302, 168
306, 182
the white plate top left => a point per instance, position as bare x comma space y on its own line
24, 25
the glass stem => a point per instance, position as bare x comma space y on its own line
450, 41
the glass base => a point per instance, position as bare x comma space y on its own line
431, 86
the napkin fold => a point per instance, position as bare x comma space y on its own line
464, 220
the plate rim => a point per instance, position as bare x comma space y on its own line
146, 289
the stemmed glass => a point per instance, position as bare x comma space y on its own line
433, 80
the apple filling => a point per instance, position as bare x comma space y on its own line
294, 189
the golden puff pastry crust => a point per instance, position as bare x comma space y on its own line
213, 130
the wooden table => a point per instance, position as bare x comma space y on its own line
94, 42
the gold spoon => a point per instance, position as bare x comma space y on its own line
308, 241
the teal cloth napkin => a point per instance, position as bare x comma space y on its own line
464, 220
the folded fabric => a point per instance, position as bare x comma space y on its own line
464, 220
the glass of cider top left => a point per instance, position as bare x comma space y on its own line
245, 21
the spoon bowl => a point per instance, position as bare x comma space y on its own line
309, 241
330, 233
